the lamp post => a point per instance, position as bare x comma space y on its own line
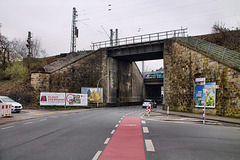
97, 87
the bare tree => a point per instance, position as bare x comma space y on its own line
4, 51
16, 50
37, 49
225, 37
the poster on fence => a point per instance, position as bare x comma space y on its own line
205, 95
62, 99
92, 94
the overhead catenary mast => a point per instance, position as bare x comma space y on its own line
74, 33
29, 44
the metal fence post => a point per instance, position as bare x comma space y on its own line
224, 53
209, 46
196, 44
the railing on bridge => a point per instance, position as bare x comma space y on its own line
226, 55
155, 74
141, 38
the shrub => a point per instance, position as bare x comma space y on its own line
17, 71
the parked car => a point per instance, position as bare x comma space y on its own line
146, 102
16, 107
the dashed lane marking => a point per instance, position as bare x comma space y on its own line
112, 131
116, 126
97, 155
143, 122
107, 140
27, 123
149, 145
145, 130
7, 127
43, 119
54, 116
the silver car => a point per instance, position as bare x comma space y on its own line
147, 102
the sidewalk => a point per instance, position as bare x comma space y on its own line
32, 114
159, 112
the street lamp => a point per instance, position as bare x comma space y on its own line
97, 87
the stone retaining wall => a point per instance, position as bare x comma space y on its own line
183, 65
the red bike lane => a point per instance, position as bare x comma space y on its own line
127, 142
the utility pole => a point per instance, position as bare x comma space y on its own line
116, 37
74, 33
29, 44
111, 37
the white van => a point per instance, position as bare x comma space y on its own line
16, 107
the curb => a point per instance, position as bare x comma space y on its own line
208, 117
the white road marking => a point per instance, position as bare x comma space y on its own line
107, 140
97, 155
119, 121
43, 119
145, 130
7, 127
149, 145
116, 126
121, 118
112, 131
27, 123
143, 122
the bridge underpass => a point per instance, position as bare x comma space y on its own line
123, 54
153, 89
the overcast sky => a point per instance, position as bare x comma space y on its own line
50, 20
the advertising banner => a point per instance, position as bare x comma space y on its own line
205, 95
92, 94
75, 99
52, 98
62, 99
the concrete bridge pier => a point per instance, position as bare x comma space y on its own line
125, 83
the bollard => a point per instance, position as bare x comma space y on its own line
204, 115
5, 110
167, 111
148, 110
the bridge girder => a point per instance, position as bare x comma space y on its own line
138, 52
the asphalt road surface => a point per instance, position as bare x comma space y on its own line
86, 135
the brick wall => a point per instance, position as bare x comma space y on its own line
40, 81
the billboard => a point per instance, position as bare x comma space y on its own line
75, 99
62, 99
92, 94
205, 95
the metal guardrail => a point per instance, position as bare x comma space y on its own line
226, 55
140, 38
153, 74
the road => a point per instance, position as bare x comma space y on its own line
86, 135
